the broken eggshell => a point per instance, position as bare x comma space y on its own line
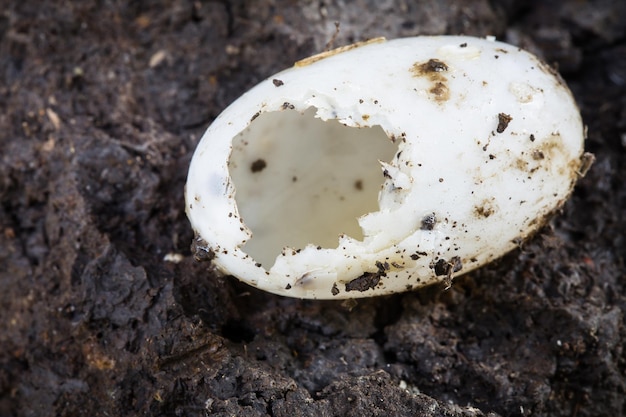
384, 166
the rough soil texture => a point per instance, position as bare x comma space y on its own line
101, 105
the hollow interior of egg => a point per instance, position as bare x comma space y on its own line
300, 180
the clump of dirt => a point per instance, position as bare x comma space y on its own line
101, 105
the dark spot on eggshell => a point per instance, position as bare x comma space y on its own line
286, 105
334, 290
440, 91
433, 70
254, 116
521, 164
358, 184
503, 122
258, 165
485, 210
277, 82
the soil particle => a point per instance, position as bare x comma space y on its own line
201, 251
444, 267
503, 122
96, 134
428, 222
365, 282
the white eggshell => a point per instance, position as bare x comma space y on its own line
479, 143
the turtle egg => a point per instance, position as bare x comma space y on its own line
384, 166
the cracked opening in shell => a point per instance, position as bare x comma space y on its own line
300, 180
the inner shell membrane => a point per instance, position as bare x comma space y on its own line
300, 180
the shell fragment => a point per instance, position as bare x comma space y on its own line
384, 166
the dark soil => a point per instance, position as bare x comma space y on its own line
101, 105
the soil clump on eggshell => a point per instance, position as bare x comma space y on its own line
104, 311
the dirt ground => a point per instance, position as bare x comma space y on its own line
101, 105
